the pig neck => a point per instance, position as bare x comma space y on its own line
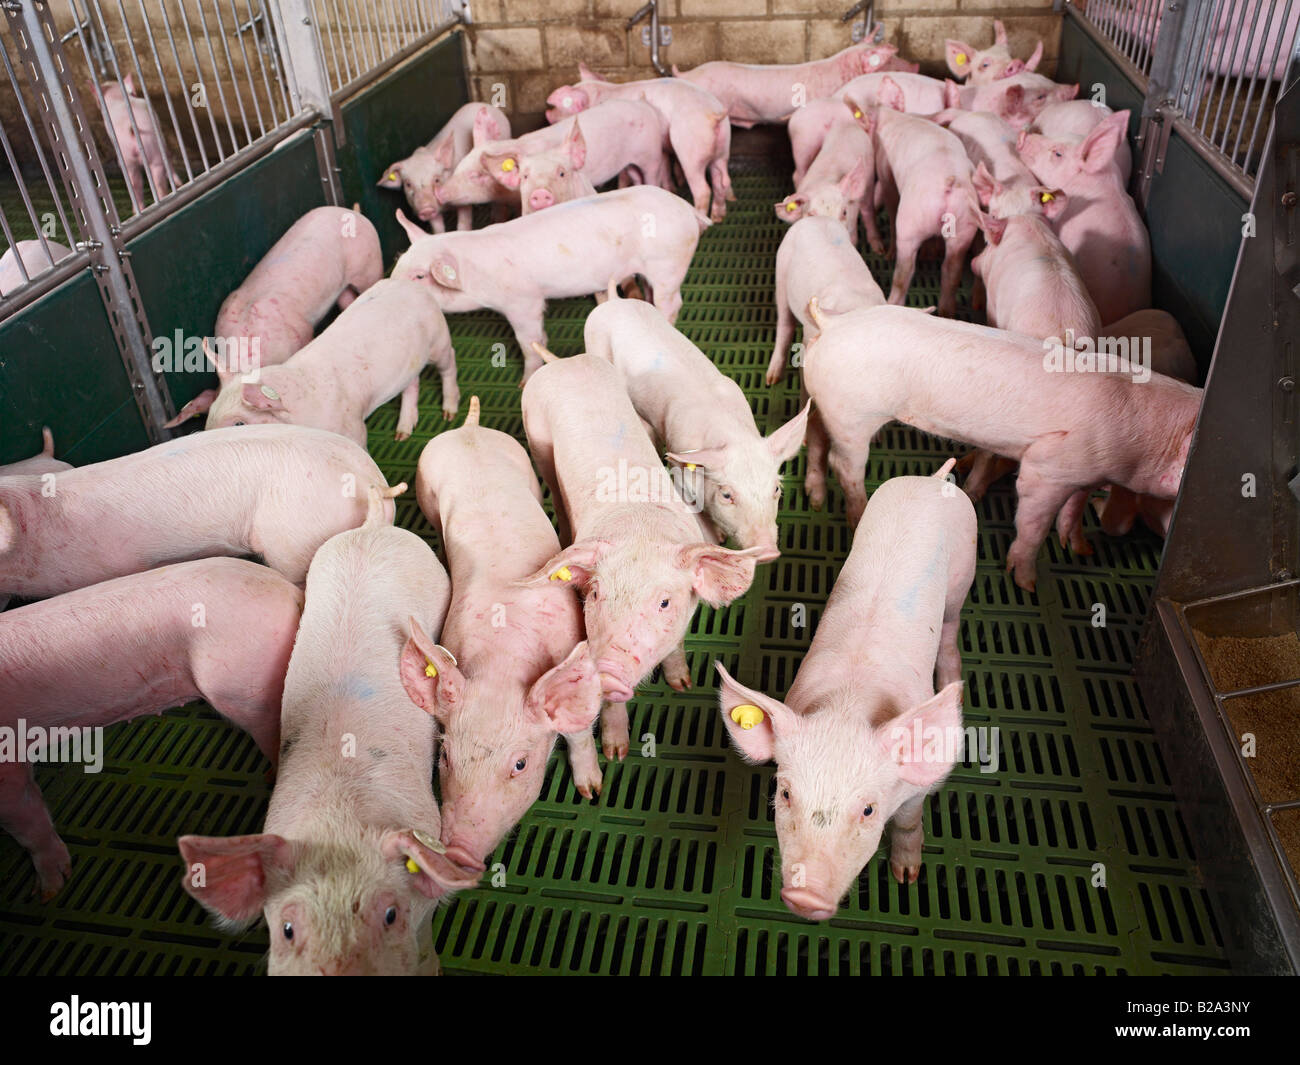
488, 550
319, 787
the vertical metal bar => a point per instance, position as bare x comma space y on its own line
99, 99
277, 68
74, 149
38, 144
248, 73
185, 89
203, 85
1194, 87
166, 89
216, 75
1277, 51
27, 203
146, 172
1225, 62
336, 30
230, 67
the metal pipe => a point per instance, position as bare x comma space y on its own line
651, 10
392, 61
185, 93
1277, 49
166, 90
203, 87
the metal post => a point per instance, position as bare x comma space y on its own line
1171, 57
94, 213
309, 85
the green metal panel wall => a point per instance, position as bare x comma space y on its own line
388, 121
1193, 215
187, 264
60, 367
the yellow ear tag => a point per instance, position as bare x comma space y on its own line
961, 59
562, 574
507, 165
411, 867
690, 466
1047, 197
857, 114
430, 670
392, 175
791, 207
746, 716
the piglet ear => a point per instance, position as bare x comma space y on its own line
445, 154
891, 95
753, 719
229, 874
994, 228
198, 405
854, 184
413, 231
503, 166
1032, 62
577, 146
784, 443
1052, 201
861, 115
958, 55
708, 458
261, 397
719, 575
429, 674
1067, 92
392, 178
585, 73
951, 94
792, 208
1102, 142
999, 32
445, 271
1014, 97
984, 184
574, 566
435, 874
567, 696
923, 742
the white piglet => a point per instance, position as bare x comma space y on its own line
855, 739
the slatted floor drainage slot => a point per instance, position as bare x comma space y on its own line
1071, 858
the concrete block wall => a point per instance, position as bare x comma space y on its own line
522, 49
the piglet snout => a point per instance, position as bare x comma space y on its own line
540, 199
807, 903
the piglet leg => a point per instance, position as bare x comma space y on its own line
24, 815
583, 763
906, 837
613, 730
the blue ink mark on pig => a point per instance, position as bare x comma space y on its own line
353, 687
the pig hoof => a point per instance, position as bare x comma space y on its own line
614, 747
401, 435
905, 873
773, 376
52, 872
678, 679
448, 415
587, 779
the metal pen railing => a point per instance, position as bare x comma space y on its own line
1214, 67
358, 39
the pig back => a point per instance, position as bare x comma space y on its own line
219, 629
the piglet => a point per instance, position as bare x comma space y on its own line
755, 93
637, 554
1030, 277
348, 868
698, 132
695, 123
512, 670
372, 352
1001, 180
324, 259
926, 177
421, 173
133, 646
1172, 356
1073, 120
544, 179
1101, 226
35, 258
572, 249
981, 66
840, 182
137, 140
816, 261
42, 462
863, 736
920, 95
1070, 429
1017, 99
621, 135
702, 418
278, 491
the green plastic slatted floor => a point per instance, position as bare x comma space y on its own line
671, 870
